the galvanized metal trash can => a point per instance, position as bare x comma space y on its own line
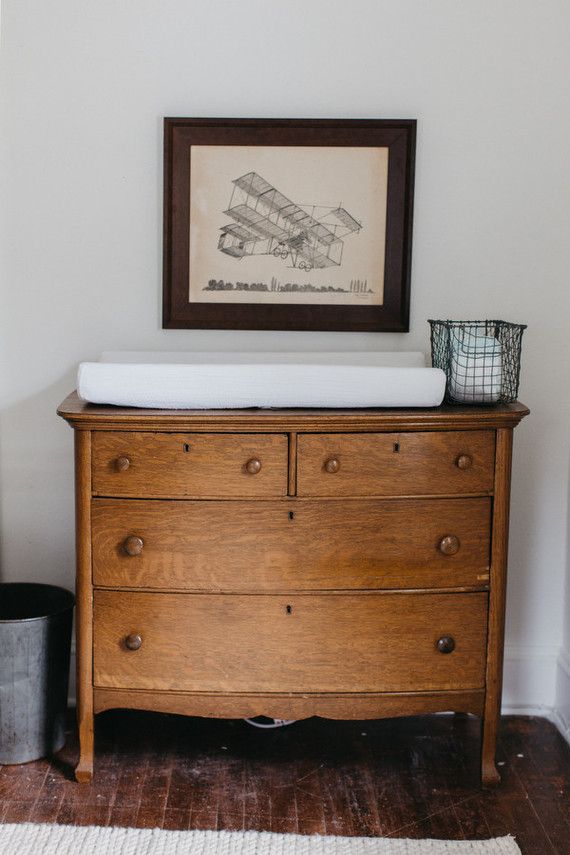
35, 640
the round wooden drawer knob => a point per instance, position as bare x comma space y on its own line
133, 642
122, 464
464, 461
253, 466
332, 465
446, 644
449, 544
133, 545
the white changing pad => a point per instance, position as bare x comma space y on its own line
232, 380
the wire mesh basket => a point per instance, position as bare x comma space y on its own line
481, 359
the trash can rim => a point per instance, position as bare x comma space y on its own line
64, 608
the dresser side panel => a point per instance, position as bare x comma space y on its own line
84, 604
497, 603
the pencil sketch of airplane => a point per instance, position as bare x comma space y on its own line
265, 222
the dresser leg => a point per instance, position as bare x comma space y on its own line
490, 778
489, 774
84, 768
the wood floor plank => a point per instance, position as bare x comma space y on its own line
515, 815
176, 819
338, 820
284, 818
231, 794
46, 810
309, 798
204, 820
361, 802
154, 792
88, 814
443, 825
130, 786
471, 815
180, 789
257, 796
123, 817
555, 819
150, 816
19, 811
539, 756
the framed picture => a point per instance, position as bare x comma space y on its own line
288, 224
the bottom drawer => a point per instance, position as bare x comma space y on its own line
306, 643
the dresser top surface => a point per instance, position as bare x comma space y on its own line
86, 416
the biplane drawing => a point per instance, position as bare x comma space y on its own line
265, 222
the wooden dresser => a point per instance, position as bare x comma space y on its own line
348, 564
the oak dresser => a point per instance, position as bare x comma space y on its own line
341, 563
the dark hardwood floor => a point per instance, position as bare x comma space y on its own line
414, 777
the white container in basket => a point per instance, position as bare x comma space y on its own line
476, 367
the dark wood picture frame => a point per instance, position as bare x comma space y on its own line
398, 136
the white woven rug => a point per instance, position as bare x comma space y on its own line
31, 839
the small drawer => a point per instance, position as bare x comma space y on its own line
392, 464
299, 643
287, 545
198, 465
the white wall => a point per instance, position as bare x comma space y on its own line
84, 88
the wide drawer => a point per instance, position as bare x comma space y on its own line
200, 465
291, 545
395, 464
323, 643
